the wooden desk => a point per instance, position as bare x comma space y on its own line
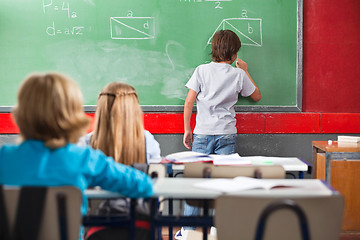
339, 165
183, 188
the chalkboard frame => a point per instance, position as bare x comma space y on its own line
238, 108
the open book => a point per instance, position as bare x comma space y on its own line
237, 184
216, 159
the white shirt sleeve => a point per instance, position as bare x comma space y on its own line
248, 87
85, 140
152, 146
193, 82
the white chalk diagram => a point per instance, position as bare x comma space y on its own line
132, 27
249, 30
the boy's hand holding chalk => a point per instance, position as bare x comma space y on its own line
241, 64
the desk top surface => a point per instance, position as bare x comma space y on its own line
288, 163
183, 188
336, 146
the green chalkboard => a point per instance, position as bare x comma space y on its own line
153, 45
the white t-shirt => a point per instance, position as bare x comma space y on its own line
218, 86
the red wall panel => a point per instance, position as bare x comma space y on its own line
250, 123
7, 124
331, 52
247, 123
340, 123
165, 123
292, 122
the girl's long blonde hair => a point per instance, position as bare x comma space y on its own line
119, 129
50, 109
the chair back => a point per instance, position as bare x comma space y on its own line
199, 170
239, 217
61, 218
157, 170
154, 170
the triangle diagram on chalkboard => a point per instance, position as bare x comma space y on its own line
249, 30
132, 27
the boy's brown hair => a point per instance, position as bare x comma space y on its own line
50, 109
225, 43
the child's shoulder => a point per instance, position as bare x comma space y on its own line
216, 65
219, 67
8, 147
204, 65
83, 153
22, 144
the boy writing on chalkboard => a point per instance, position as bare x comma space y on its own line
216, 87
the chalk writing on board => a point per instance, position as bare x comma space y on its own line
63, 6
132, 27
51, 8
244, 13
249, 30
217, 2
52, 30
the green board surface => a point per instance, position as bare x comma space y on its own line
154, 45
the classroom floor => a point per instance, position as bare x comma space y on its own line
343, 236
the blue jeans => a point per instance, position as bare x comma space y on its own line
214, 144
210, 144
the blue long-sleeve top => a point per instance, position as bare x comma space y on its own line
34, 164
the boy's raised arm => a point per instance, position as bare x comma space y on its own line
256, 95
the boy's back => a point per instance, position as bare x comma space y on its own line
218, 86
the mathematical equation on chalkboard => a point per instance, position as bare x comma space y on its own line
217, 3
61, 8
134, 27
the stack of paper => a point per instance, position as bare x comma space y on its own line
352, 139
231, 159
187, 156
349, 141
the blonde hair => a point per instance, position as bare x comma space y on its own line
119, 129
50, 109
